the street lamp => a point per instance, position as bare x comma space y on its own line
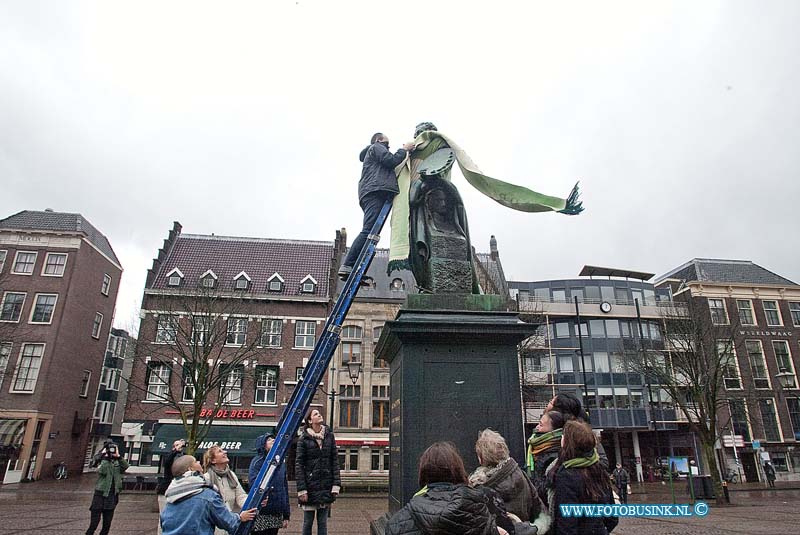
353, 371
785, 378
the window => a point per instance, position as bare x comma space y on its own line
308, 285
304, 332
241, 281
104, 411
232, 385
380, 406
3, 255
612, 328
772, 313
188, 384
106, 287
397, 285
174, 277
351, 344
758, 365
621, 296
97, 325
12, 306
266, 384
5, 356
784, 358
348, 406
298, 374
110, 378
43, 309
208, 281
576, 292
584, 329
158, 382
271, 331
23, 263
565, 364
376, 335
54, 264
166, 329
794, 310
739, 421
27, 370
779, 461
730, 368
746, 316
655, 331
380, 459
275, 283
348, 459
769, 420
201, 327
237, 331
597, 329
562, 329
793, 405
559, 295
87, 379
601, 363
718, 314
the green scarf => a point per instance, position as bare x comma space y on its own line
540, 443
583, 462
505, 193
421, 491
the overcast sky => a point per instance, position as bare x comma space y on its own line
680, 119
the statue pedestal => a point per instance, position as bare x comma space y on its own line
454, 372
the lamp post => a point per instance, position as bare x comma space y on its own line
353, 370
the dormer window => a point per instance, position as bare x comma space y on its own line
308, 285
174, 277
241, 281
275, 283
208, 279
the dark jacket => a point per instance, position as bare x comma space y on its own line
317, 469
621, 477
378, 174
569, 489
278, 493
513, 486
110, 475
540, 464
445, 509
166, 479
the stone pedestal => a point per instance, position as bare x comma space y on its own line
454, 372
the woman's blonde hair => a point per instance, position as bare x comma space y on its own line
491, 447
208, 456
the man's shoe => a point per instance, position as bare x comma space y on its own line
345, 272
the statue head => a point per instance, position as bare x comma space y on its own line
437, 202
423, 127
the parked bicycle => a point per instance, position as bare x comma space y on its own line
60, 471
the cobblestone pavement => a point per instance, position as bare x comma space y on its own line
50, 507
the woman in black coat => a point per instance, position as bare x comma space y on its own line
445, 505
577, 477
317, 473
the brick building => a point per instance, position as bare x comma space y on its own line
272, 298
59, 279
761, 384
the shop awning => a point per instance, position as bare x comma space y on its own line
12, 431
362, 442
237, 440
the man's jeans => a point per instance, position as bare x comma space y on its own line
371, 204
322, 521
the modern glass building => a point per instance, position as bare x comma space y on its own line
620, 318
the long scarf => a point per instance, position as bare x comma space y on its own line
319, 437
583, 462
505, 193
216, 477
543, 443
185, 486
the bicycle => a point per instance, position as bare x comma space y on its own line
60, 471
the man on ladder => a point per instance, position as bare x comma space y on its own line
378, 184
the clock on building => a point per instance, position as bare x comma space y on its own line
605, 307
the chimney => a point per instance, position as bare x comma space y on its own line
48, 210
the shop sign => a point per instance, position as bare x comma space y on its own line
236, 414
785, 334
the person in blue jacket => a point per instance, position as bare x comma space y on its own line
274, 515
193, 506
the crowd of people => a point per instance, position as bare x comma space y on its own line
565, 464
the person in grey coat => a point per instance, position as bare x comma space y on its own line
378, 184
621, 479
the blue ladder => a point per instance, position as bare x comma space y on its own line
318, 363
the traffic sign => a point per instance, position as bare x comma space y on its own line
756, 444
731, 441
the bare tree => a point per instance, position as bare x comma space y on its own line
698, 357
13, 328
200, 342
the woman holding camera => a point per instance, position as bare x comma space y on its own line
107, 489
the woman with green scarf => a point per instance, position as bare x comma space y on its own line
577, 477
543, 448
